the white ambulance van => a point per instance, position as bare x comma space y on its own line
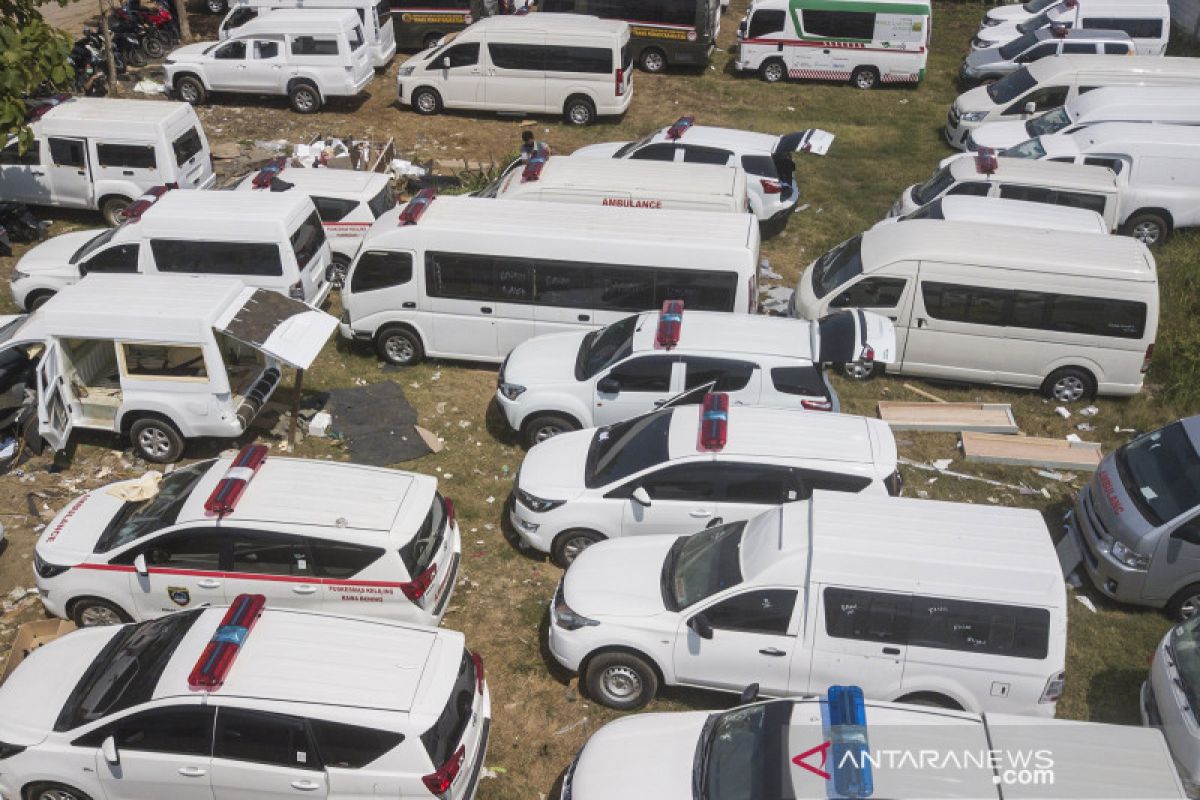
836, 40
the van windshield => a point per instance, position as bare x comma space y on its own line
700, 565
604, 347
739, 753
1161, 472
1011, 86
933, 188
308, 240
94, 244
631, 147
1050, 122
1185, 649
620, 450
138, 518
1030, 148
837, 266
1017, 46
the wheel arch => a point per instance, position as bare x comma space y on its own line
92, 594
659, 671
558, 406
127, 417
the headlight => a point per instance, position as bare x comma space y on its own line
511, 390
1129, 558
974, 116
404, 72
19, 276
566, 618
44, 568
536, 503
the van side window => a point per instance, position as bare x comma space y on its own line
971, 188
1136, 28
698, 289
685, 482
351, 746
992, 628
695, 154
814, 479
656, 152
867, 616
333, 209
179, 730
1033, 194
766, 22
314, 46
1041, 51
234, 51
799, 380
31, 157
1092, 202
122, 258
646, 374
263, 738
460, 55
1095, 316
1043, 100
762, 611
974, 304
266, 49
381, 270
187, 549
730, 375
217, 258
872, 293
163, 360
1078, 48
1114, 49
1115, 164
66, 152
839, 24
517, 56
762, 484
134, 156
596, 60
269, 553
342, 559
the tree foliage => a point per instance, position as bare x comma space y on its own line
33, 55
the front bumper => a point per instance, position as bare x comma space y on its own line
1111, 578
532, 531
567, 647
512, 411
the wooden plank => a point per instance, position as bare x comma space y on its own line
923, 393
1032, 451
950, 417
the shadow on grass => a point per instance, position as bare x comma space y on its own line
1113, 695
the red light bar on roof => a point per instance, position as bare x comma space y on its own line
714, 421
267, 174
416, 207
134, 210
985, 161
533, 167
1070, 3
47, 104
670, 324
1058, 30
225, 496
213, 665
680, 127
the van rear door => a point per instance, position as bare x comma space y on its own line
54, 409
284, 329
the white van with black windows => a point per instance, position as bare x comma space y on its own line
1147, 22
104, 153
373, 14
470, 278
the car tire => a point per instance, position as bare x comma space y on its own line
112, 207
304, 98
91, 612
653, 61
426, 101
865, 78
155, 45
1184, 604
858, 371
190, 90
338, 270
37, 299
399, 346
156, 440
579, 111
623, 681
53, 791
541, 427
1069, 385
569, 544
773, 70
1148, 228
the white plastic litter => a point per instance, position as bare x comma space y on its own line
1087, 602
1089, 411
147, 86
943, 464
399, 168
1073, 437
1062, 412
319, 426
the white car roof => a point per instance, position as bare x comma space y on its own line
310, 493
738, 141
999, 210
762, 432
348, 183
631, 175
1119, 98
731, 335
1042, 173
208, 211
1132, 134
300, 20
987, 553
544, 21
1051, 67
96, 116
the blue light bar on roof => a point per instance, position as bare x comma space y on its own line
851, 767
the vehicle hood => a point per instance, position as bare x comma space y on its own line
54, 254
1000, 135
605, 150
996, 35
71, 536
645, 755
1115, 509
950, 159
190, 53
544, 360
554, 468
618, 578
976, 99
1010, 14
33, 696
983, 58
1059, 145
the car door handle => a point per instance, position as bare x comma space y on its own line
408, 304
699, 513
486, 309
772, 651
304, 588
192, 772
893, 317
921, 322
127, 172
891, 651
305, 786
209, 584
659, 403
36, 172
241, 66
584, 317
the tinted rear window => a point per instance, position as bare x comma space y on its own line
186, 146
307, 240
419, 552
351, 746
442, 739
217, 258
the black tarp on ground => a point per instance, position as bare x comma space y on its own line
377, 424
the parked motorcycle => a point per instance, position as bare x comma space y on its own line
17, 224
87, 58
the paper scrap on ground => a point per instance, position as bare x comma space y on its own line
1087, 602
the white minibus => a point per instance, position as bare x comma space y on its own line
470, 278
374, 15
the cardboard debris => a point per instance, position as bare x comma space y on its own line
942, 416
430, 438
142, 488
30, 637
1031, 451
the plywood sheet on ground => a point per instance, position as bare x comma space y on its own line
1033, 451
984, 417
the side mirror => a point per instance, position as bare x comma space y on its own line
608, 385
701, 626
640, 496
1031, 107
748, 695
139, 565
108, 748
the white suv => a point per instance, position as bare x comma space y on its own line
565, 381
326, 536
677, 469
767, 159
243, 704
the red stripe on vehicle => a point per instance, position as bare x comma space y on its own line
245, 576
833, 45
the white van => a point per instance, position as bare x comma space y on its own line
273, 241
306, 56
570, 64
1052, 82
1073, 314
103, 153
1157, 167
1148, 23
1174, 105
950, 604
836, 40
467, 277
1092, 188
373, 14
647, 185
998, 211
162, 359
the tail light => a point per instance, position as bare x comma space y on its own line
817, 405
868, 353
771, 187
620, 76
296, 290
1054, 688
477, 660
448, 506
439, 782
1147, 358
415, 589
